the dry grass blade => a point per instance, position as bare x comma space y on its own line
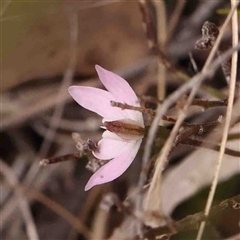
161, 36
149, 25
154, 187
102, 215
228, 116
23, 204
54, 206
86, 209
67, 79
191, 222
66, 82
190, 26
186, 178
175, 17
128, 72
49, 101
168, 103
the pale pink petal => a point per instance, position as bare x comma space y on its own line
96, 100
109, 135
117, 86
115, 167
121, 91
109, 148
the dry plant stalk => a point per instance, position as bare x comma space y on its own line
228, 115
161, 37
11, 178
149, 25
67, 79
102, 215
190, 129
53, 206
191, 222
167, 104
155, 186
175, 17
50, 100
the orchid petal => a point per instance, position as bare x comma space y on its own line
115, 167
121, 91
96, 100
109, 148
109, 135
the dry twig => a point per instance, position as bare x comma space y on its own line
175, 17
54, 206
186, 178
195, 83
67, 79
228, 115
191, 222
161, 38
168, 103
190, 27
50, 100
21, 201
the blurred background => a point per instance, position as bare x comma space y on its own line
47, 46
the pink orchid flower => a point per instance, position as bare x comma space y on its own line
124, 128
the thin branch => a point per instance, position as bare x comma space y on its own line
183, 137
102, 215
129, 72
191, 222
64, 158
168, 103
181, 176
205, 104
149, 27
54, 206
209, 145
228, 116
195, 83
203, 11
152, 113
161, 29
56, 117
86, 209
194, 65
66, 82
175, 17
11, 178
147, 111
26, 113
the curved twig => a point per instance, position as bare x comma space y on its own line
228, 115
54, 206
22, 202
194, 83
